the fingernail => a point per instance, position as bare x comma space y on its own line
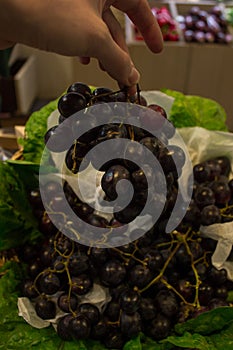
134, 76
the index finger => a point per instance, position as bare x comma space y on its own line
141, 15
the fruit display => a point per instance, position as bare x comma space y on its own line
166, 23
205, 26
158, 291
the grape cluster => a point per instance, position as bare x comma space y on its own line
121, 166
153, 282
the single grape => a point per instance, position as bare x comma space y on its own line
201, 172
78, 264
112, 311
215, 169
210, 215
204, 196
81, 284
222, 192
166, 302
63, 330
113, 273
29, 290
205, 293
217, 277
49, 283
130, 301
80, 327
45, 308
67, 303
71, 103
130, 325
111, 177
91, 311
225, 165
82, 89
147, 309
139, 276
100, 330
154, 260
103, 94
159, 328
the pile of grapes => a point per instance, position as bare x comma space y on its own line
205, 26
153, 282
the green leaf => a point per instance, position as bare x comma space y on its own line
188, 111
134, 344
17, 222
193, 341
208, 322
35, 129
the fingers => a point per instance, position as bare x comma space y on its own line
115, 29
140, 14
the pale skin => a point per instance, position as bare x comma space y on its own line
82, 28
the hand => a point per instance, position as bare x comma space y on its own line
84, 28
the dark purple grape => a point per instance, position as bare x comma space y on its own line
130, 325
111, 177
111, 131
230, 184
99, 331
96, 220
81, 284
201, 172
159, 328
49, 283
80, 327
212, 24
154, 260
99, 255
63, 330
139, 276
222, 192
71, 103
204, 196
147, 309
82, 89
67, 303
158, 109
45, 308
35, 268
217, 277
172, 159
221, 292
225, 165
113, 273
29, 290
112, 311
35, 198
91, 311
186, 290
192, 215
215, 169
166, 302
210, 215
103, 94
78, 264
129, 301
205, 293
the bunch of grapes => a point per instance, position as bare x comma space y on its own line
154, 281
